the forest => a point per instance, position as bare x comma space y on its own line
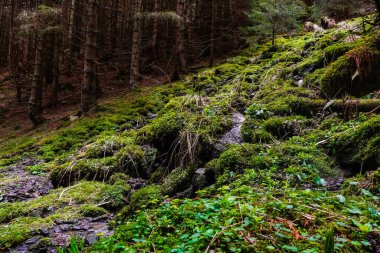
190, 126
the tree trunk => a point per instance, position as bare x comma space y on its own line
89, 87
135, 60
212, 33
155, 34
76, 32
11, 56
181, 65
35, 100
377, 2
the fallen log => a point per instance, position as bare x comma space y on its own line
347, 107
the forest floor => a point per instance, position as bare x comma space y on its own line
251, 155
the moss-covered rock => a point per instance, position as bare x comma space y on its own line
90, 169
136, 161
354, 73
144, 198
106, 147
285, 127
92, 211
177, 181
359, 147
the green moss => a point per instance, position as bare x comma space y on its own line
212, 80
285, 127
20, 230
92, 211
177, 181
107, 146
42, 245
22, 220
135, 161
325, 41
90, 169
252, 132
338, 77
144, 198
289, 158
336, 50
353, 73
359, 146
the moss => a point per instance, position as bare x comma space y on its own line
252, 132
92, 211
283, 100
144, 198
340, 77
212, 80
163, 130
285, 127
359, 146
177, 181
313, 62
235, 159
314, 79
325, 41
22, 220
119, 176
107, 146
42, 245
20, 230
135, 161
90, 169
336, 50
288, 158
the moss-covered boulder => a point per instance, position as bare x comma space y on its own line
144, 198
177, 181
89, 169
359, 147
136, 161
355, 73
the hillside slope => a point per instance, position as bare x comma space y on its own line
258, 154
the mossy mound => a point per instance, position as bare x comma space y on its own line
359, 147
355, 73
89, 169
304, 164
144, 198
19, 221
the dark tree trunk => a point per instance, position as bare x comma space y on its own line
181, 64
212, 33
377, 2
35, 100
135, 60
89, 87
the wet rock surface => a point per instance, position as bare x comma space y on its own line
89, 229
234, 135
16, 184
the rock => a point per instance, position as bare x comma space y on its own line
73, 118
152, 115
201, 171
33, 240
234, 135
91, 238
311, 27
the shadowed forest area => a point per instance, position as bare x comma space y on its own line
190, 126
